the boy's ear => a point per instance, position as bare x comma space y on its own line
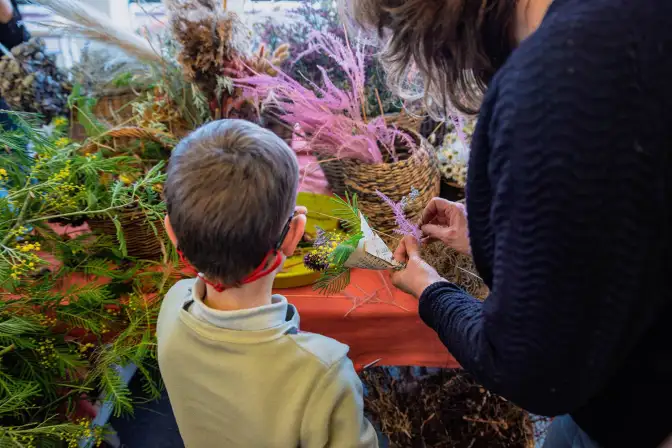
170, 231
296, 229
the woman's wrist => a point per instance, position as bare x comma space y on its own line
425, 283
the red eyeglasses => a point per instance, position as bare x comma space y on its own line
259, 272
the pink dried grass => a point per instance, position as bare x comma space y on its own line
331, 118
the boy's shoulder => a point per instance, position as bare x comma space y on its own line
324, 349
172, 303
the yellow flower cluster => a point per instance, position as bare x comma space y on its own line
112, 312
46, 321
47, 352
85, 432
23, 440
85, 347
318, 258
21, 230
3, 174
62, 142
64, 197
28, 259
61, 175
60, 122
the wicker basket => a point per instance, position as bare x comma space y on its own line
141, 240
395, 180
404, 121
114, 106
333, 168
334, 173
122, 137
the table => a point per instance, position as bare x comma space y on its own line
390, 333
393, 334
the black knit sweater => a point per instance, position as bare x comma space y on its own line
570, 219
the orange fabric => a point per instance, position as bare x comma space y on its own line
374, 330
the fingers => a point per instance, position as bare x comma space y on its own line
300, 210
435, 232
412, 246
408, 248
400, 254
430, 212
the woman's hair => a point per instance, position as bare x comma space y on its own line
456, 45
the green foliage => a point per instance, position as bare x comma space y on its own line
337, 277
68, 326
348, 212
83, 105
333, 280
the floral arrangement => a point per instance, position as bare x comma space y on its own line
74, 306
332, 119
321, 15
335, 253
453, 154
215, 47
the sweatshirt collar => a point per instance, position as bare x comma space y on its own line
251, 319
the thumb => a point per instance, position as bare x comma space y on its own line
412, 246
436, 232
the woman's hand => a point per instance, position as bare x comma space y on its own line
417, 275
447, 222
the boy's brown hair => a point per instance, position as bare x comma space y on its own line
230, 191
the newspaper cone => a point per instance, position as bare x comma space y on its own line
372, 252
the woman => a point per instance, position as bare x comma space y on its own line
12, 30
569, 202
12, 33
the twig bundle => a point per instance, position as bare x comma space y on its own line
447, 409
456, 268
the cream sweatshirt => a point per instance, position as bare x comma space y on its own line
251, 379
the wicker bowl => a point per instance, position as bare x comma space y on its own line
142, 240
395, 180
333, 168
114, 106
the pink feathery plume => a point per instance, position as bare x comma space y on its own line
405, 227
330, 118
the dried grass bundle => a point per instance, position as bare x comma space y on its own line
445, 409
92, 24
455, 267
214, 42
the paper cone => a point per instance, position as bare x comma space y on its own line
372, 252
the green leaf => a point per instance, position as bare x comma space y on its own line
120, 236
123, 79
348, 212
84, 104
333, 281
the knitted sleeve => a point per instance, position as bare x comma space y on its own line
577, 220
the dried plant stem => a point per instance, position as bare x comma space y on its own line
380, 104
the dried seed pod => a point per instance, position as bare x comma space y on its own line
32, 82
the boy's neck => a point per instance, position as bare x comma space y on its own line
251, 295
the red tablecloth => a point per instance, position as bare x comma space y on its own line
391, 333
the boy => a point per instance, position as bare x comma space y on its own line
237, 370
